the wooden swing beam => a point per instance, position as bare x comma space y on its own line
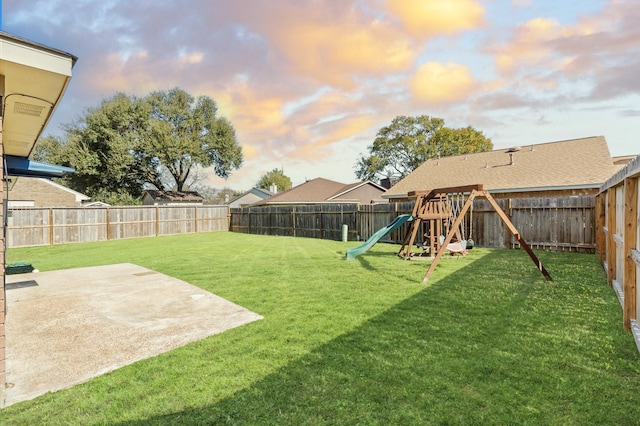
478, 191
429, 207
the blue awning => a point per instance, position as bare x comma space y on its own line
23, 167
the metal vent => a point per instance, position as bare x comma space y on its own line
28, 109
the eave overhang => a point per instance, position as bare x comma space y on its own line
33, 79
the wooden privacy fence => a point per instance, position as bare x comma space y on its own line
37, 226
322, 221
618, 240
562, 223
555, 223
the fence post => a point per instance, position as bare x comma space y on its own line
107, 223
293, 221
358, 222
50, 226
157, 220
611, 226
630, 239
599, 228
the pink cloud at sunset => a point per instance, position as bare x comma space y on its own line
308, 83
438, 83
429, 18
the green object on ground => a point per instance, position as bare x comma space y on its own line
18, 268
352, 253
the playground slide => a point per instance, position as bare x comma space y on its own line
352, 253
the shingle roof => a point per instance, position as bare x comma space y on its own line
574, 163
160, 195
312, 191
318, 190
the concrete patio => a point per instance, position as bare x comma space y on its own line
66, 327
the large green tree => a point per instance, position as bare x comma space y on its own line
128, 143
101, 147
407, 142
276, 177
185, 133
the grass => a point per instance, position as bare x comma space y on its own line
487, 341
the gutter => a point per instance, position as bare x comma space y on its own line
508, 190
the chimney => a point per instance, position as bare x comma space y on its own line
273, 188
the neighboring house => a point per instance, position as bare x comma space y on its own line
96, 204
38, 192
572, 167
155, 197
319, 190
250, 197
623, 160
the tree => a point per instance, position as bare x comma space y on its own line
185, 133
277, 177
101, 146
129, 143
410, 141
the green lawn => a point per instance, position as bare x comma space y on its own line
487, 341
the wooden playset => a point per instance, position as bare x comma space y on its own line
443, 211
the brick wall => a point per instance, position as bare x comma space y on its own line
43, 193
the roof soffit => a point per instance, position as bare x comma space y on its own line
35, 78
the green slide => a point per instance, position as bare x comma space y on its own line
352, 253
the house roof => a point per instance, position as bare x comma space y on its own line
161, 195
630, 169
575, 163
260, 192
80, 197
318, 190
35, 78
254, 194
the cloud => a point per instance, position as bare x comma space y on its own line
249, 152
330, 133
307, 83
502, 101
335, 43
428, 18
437, 83
594, 58
529, 45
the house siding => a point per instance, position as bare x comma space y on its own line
42, 194
245, 200
364, 194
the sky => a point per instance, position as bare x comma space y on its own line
307, 84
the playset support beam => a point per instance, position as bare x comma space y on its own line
479, 192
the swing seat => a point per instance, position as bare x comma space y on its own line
459, 247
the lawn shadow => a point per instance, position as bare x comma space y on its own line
480, 345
